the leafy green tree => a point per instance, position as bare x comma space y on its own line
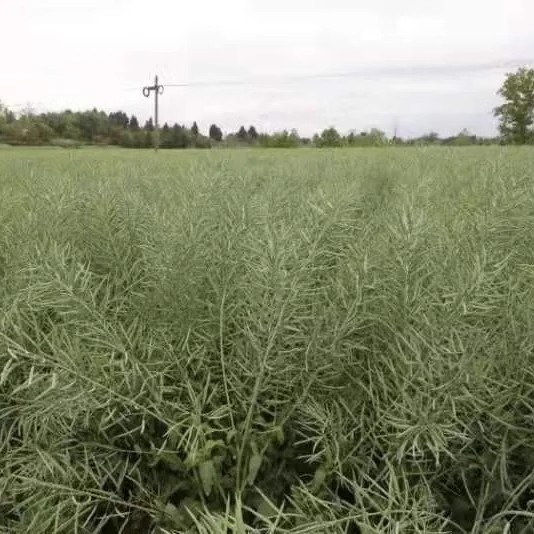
516, 115
165, 137
373, 137
149, 125
94, 125
252, 133
70, 128
3, 119
242, 134
119, 118
29, 132
330, 138
215, 133
194, 130
10, 117
283, 139
43, 132
56, 121
180, 137
12, 133
280, 140
134, 123
464, 138
431, 138
378, 137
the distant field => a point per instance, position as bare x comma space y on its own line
304, 341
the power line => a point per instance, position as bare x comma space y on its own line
403, 70
391, 71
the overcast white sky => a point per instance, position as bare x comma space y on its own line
82, 54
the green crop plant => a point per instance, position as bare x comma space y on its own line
267, 341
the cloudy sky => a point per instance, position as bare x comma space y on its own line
414, 64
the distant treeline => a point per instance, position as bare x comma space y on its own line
95, 127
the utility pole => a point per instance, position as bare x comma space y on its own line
158, 90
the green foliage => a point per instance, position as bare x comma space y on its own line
431, 138
116, 128
292, 342
374, 137
149, 125
28, 132
134, 123
88, 127
6, 116
282, 139
3, 119
120, 119
179, 137
464, 138
215, 133
517, 113
252, 133
329, 138
242, 134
